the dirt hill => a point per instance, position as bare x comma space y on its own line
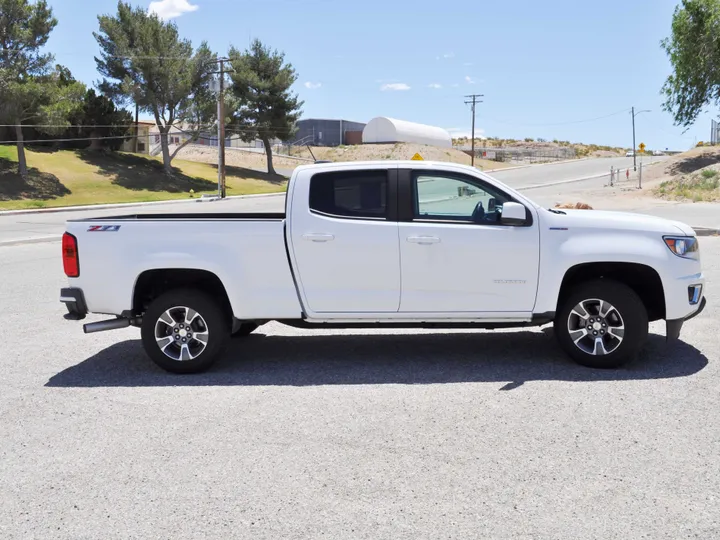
691, 176
365, 152
370, 152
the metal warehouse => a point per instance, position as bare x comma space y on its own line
390, 130
328, 132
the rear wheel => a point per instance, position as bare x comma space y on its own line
184, 331
602, 324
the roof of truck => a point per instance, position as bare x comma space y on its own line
387, 163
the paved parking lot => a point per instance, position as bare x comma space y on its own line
350, 434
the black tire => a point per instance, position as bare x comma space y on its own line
245, 329
212, 319
627, 304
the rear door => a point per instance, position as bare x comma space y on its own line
344, 235
457, 256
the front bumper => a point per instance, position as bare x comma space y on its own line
674, 327
74, 300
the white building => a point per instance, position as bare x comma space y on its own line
390, 130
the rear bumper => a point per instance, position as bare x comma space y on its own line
74, 300
675, 326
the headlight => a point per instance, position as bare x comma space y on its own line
683, 246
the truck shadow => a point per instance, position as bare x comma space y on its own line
423, 358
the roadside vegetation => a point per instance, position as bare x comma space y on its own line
83, 177
580, 149
700, 186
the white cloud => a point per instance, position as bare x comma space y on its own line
394, 87
435, 85
455, 85
313, 85
169, 9
449, 55
469, 79
468, 64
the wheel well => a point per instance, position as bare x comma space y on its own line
643, 279
153, 283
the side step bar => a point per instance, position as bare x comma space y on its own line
111, 324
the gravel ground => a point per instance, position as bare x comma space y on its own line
343, 435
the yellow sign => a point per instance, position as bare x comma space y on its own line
417, 157
642, 147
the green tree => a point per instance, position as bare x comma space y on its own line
29, 91
44, 101
265, 108
694, 52
144, 60
101, 121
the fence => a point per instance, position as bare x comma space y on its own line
522, 154
625, 177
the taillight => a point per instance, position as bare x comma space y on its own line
71, 262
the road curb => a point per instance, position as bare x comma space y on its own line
704, 231
24, 241
561, 182
91, 207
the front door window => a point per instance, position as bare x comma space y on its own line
443, 197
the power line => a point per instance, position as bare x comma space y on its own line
69, 140
68, 126
561, 123
178, 129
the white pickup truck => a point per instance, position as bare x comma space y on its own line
385, 244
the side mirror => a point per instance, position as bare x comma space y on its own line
513, 214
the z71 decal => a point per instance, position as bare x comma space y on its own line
104, 228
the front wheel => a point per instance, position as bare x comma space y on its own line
602, 324
184, 331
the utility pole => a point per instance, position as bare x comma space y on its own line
473, 103
221, 127
634, 151
137, 126
221, 131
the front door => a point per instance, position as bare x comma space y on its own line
457, 256
345, 243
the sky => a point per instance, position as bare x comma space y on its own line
557, 69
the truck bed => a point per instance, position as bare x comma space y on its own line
246, 252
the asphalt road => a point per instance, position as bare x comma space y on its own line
39, 226
345, 435
539, 175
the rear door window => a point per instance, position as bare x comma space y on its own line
352, 194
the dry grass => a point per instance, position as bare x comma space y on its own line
574, 206
72, 177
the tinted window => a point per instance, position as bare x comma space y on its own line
356, 194
447, 197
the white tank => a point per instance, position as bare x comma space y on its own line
390, 130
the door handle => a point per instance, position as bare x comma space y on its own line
423, 240
318, 237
